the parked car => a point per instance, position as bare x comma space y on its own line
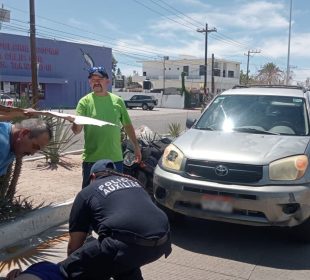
146, 102
6, 100
245, 160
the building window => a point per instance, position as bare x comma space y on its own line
224, 73
217, 72
231, 74
186, 70
178, 68
216, 64
169, 68
202, 70
144, 73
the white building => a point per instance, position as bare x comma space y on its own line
166, 73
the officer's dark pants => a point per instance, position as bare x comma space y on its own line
86, 167
111, 258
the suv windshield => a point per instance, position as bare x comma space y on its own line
257, 114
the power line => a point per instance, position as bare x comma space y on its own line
154, 11
182, 18
173, 8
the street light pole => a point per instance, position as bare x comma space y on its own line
206, 31
289, 46
33, 50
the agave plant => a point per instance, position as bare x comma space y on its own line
60, 142
175, 129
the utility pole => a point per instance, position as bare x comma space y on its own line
289, 46
164, 73
248, 63
212, 76
33, 50
206, 31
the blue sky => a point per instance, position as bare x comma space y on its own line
150, 29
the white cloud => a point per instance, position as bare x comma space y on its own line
277, 46
77, 23
108, 25
301, 75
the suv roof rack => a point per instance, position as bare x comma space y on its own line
271, 86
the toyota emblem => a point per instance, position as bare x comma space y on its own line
221, 170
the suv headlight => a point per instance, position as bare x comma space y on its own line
172, 158
291, 168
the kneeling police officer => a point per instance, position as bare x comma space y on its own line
132, 230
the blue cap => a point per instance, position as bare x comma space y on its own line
99, 71
101, 165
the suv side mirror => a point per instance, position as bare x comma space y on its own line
190, 122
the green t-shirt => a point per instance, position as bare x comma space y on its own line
103, 142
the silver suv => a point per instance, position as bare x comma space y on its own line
245, 160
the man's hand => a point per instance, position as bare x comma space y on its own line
70, 119
138, 155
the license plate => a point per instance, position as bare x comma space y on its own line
215, 203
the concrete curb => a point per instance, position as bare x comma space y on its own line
34, 223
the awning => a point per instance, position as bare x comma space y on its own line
27, 79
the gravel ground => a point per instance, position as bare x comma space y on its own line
42, 184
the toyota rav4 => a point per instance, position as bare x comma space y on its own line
245, 160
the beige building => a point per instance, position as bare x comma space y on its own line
167, 73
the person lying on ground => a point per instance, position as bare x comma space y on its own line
38, 271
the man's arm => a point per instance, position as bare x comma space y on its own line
132, 136
80, 111
76, 240
9, 114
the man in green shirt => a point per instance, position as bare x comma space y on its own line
103, 142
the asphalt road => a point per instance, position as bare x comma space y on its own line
157, 120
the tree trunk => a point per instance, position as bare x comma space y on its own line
15, 176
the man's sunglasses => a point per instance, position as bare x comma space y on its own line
99, 69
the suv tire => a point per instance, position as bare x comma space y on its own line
144, 106
173, 217
301, 233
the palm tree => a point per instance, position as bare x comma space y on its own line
270, 74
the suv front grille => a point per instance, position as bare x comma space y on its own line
223, 172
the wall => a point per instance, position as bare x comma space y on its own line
62, 66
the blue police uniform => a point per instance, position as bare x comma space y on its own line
132, 230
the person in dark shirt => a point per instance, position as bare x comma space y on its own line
132, 230
43, 270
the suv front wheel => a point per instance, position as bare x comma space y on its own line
301, 232
144, 106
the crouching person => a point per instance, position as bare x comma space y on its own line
132, 230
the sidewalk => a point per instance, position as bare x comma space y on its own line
178, 266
